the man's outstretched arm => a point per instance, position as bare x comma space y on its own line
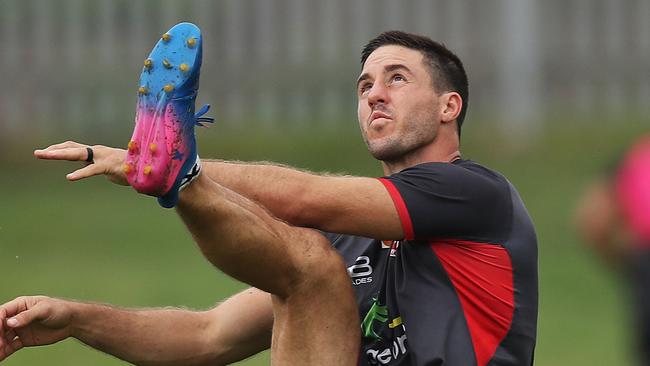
349, 205
236, 329
340, 204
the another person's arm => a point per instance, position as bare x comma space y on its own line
234, 330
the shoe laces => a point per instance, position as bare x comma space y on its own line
201, 121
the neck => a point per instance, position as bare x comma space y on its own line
443, 150
397, 166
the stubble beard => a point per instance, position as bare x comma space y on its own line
397, 147
387, 149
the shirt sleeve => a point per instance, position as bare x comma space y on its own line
443, 200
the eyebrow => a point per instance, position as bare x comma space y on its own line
387, 68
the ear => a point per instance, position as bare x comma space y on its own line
451, 104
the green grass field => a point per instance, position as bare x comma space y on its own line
94, 241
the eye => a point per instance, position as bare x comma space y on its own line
398, 78
364, 87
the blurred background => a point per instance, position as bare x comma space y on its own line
558, 89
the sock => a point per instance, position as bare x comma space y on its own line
191, 174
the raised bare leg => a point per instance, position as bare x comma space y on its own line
316, 316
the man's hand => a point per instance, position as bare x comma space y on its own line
107, 161
32, 321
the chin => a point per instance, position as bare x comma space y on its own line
385, 151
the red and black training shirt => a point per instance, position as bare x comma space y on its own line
461, 288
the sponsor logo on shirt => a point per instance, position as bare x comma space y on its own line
388, 353
388, 335
376, 314
361, 271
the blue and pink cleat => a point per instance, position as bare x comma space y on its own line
162, 154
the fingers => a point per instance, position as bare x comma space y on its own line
13, 307
9, 341
64, 153
26, 317
88, 171
43, 153
3, 316
16, 344
22, 310
6, 336
10, 346
107, 161
63, 145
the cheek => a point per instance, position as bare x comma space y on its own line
425, 109
363, 111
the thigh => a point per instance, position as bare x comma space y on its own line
318, 323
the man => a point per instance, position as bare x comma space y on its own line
441, 252
613, 217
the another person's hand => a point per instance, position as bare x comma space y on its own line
106, 161
33, 321
599, 222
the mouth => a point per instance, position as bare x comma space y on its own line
378, 114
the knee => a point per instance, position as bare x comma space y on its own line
320, 266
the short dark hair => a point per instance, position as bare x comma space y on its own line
446, 69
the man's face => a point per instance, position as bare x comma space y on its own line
399, 110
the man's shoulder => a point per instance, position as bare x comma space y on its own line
459, 167
471, 167
461, 174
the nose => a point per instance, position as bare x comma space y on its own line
378, 94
